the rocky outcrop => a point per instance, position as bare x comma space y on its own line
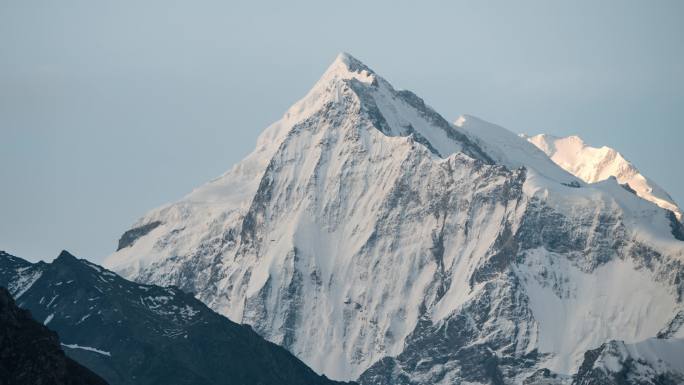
130, 236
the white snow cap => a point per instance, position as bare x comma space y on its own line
595, 164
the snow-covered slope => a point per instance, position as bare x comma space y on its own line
374, 239
507, 148
593, 164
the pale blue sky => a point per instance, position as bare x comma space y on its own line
111, 108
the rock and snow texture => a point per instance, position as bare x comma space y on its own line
377, 241
650, 362
593, 164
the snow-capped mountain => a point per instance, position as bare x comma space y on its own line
592, 164
376, 240
136, 334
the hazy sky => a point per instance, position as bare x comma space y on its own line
111, 108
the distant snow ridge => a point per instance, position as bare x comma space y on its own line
379, 242
593, 164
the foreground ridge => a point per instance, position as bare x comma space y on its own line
30, 353
130, 333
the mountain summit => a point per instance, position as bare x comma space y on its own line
379, 242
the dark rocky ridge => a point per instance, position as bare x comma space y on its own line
30, 353
154, 335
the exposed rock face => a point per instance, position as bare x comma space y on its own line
130, 236
30, 353
651, 362
375, 240
140, 334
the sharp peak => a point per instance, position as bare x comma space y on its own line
67, 256
68, 261
345, 66
351, 63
